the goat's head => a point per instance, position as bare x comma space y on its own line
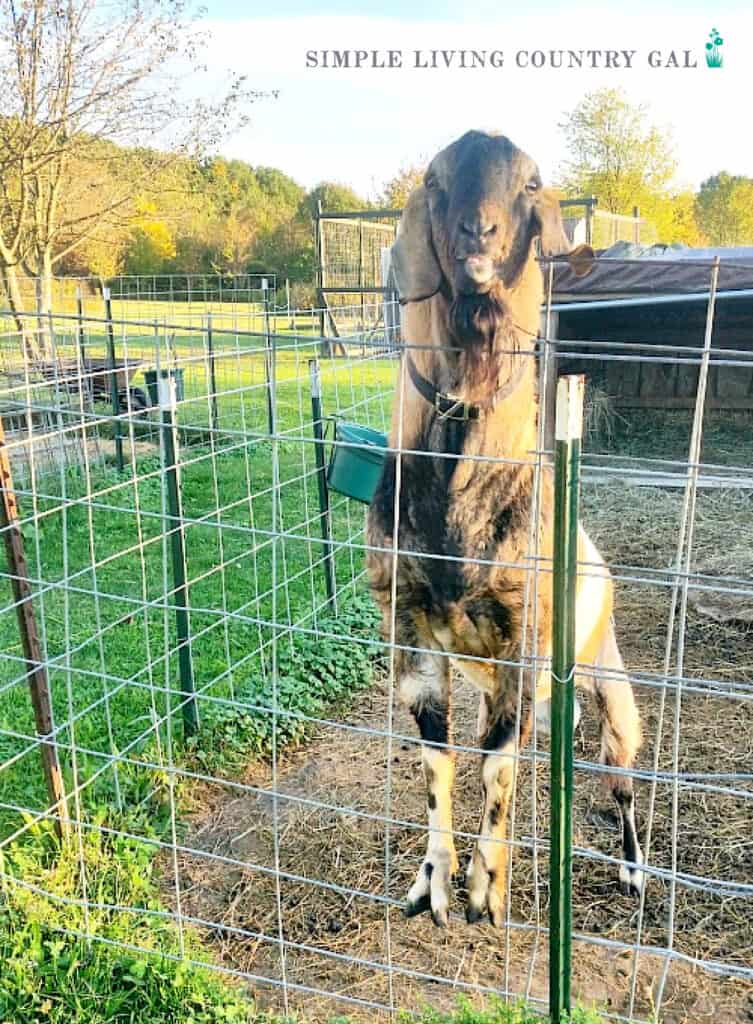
469, 230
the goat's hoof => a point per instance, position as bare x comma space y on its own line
441, 917
494, 907
474, 914
631, 882
431, 890
485, 895
419, 906
631, 878
495, 901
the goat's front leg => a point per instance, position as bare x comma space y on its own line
486, 877
425, 687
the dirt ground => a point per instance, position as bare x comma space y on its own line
337, 939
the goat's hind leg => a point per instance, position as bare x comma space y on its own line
425, 688
620, 727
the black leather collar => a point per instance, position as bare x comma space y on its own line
452, 408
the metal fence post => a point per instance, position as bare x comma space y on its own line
212, 374
39, 686
590, 206
269, 356
166, 391
321, 480
113, 380
568, 432
81, 331
321, 277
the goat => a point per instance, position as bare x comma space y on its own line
471, 289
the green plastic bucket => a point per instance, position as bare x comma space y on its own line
150, 376
355, 471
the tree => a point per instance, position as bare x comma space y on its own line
674, 217
397, 189
286, 194
724, 209
335, 196
151, 243
77, 77
237, 234
614, 153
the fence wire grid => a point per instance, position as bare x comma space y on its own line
220, 695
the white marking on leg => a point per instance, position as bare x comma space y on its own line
631, 878
544, 716
441, 863
426, 685
485, 878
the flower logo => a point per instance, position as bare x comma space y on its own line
714, 57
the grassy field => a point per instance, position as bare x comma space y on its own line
97, 543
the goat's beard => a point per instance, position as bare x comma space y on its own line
478, 323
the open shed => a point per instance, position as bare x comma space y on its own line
632, 324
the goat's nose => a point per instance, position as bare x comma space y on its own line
476, 228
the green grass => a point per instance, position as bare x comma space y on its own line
52, 973
498, 1012
226, 316
132, 969
112, 654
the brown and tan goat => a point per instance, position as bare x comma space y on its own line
466, 416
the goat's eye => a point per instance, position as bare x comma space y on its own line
431, 182
532, 187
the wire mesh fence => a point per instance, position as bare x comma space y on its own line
352, 255
166, 289
222, 700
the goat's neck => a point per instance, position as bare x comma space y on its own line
507, 430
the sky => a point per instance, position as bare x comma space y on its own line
360, 126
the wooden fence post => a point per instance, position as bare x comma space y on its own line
39, 686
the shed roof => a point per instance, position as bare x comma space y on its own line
626, 270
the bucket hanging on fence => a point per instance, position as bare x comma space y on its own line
355, 471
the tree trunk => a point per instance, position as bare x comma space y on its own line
25, 325
45, 335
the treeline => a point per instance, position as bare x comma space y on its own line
614, 151
216, 216
222, 216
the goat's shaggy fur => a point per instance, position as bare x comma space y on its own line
472, 291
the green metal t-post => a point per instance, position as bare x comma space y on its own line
567, 442
167, 402
215, 417
113, 380
269, 357
328, 562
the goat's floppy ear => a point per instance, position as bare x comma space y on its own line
546, 208
581, 260
554, 241
414, 262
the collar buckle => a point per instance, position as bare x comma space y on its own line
451, 412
